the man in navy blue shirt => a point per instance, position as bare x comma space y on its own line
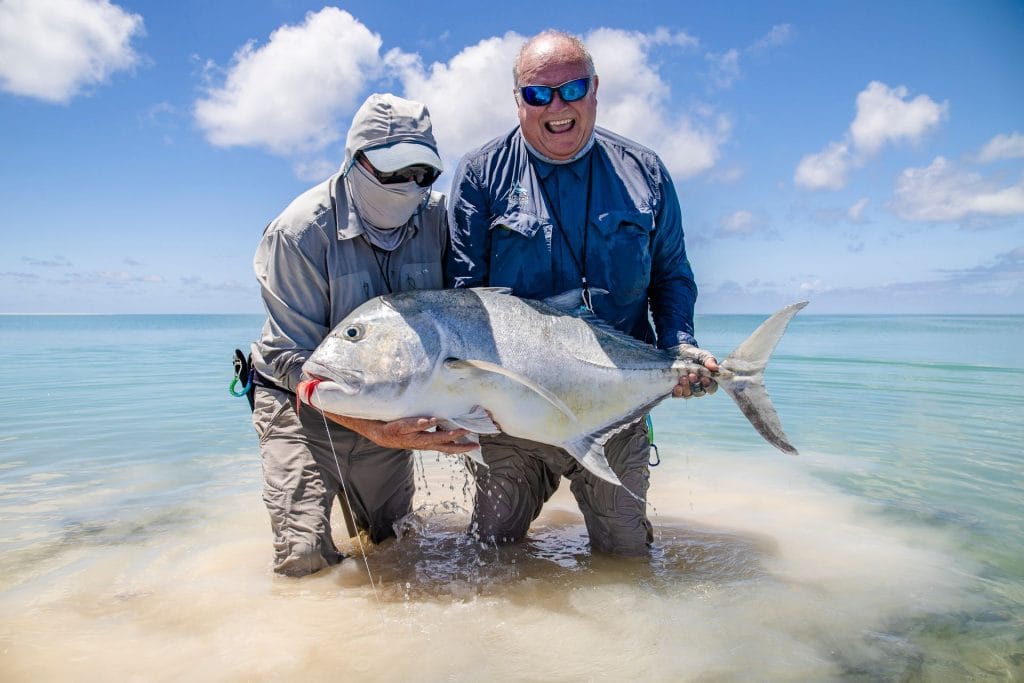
554, 205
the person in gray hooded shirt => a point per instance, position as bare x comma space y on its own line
372, 228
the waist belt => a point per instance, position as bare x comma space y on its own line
262, 381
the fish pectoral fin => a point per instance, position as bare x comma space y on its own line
589, 448
456, 364
476, 420
477, 456
589, 451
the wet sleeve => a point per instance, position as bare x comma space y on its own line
295, 292
466, 262
672, 292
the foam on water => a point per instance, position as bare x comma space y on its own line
758, 567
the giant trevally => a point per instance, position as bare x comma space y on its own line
543, 370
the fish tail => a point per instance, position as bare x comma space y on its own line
741, 375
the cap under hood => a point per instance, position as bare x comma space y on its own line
393, 133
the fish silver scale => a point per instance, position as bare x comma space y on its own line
544, 370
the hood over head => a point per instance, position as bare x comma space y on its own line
393, 133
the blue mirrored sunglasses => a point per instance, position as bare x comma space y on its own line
541, 95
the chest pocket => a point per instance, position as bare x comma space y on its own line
349, 291
419, 276
520, 255
625, 254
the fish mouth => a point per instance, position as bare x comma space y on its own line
348, 381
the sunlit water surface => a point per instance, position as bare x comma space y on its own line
134, 544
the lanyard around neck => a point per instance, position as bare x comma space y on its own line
581, 262
383, 264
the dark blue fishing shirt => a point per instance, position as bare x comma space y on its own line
520, 222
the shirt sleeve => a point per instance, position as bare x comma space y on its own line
672, 291
466, 262
295, 292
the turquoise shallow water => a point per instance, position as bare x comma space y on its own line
117, 432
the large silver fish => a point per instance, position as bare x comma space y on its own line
545, 370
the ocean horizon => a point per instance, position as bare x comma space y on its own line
135, 544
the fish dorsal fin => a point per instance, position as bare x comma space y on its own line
476, 420
589, 448
571, 301
640, 349
457, 364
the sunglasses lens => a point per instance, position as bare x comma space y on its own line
541, 95
424, 176
537, 95
574, 90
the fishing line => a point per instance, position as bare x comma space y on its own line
348, 500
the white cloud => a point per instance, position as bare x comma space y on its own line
816, 286
52, 49
780, 34
730, 175
943, 192
884, 115
470, 97
314, 170
471, 100
108, 278
725, 68
633, 101
1002, 147
825, 170
290, 94
738, 223
855, 214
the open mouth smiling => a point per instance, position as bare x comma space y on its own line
560, 126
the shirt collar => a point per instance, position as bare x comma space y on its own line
545, 168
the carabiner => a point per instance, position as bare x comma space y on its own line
241, 365
650, 439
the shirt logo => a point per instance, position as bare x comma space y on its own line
519, 197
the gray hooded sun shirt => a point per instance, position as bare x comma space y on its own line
314, 263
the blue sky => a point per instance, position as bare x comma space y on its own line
867, 156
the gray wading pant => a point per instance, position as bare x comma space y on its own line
300, 482
522, 475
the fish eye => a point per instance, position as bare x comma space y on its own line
353, 333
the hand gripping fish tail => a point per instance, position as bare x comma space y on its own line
741, 375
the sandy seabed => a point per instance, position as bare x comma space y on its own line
759, 572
